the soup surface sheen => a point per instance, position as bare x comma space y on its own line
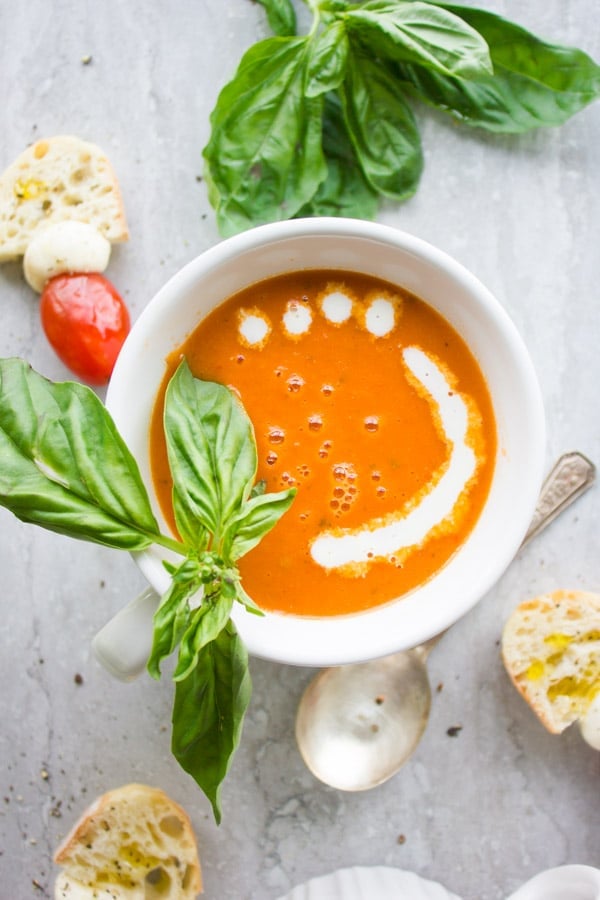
369, 402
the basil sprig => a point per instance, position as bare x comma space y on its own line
65, 467
321, 124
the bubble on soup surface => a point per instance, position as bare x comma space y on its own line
295, 383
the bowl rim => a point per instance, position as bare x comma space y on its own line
398, 624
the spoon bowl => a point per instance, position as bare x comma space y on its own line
370, 715
357, 725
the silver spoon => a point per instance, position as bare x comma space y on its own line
358, 724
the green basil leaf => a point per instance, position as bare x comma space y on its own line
256, 518
535, 84
327, 61
328, 8
65, 466
204, 626
281, 16
422, 33
171, 620
258, 488
208, 713
345, 191
247, 601
264, 159
212, 455
382, 128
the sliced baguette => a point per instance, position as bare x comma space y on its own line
58, 179
132, 843
551, 650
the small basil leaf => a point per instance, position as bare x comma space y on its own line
535, 84
382, 128
65, 466
345, 191
258, 488
327, 60
329, 8
208, 713
171, 619
186, 571
212, 454
247, 602
264, 158
422, 33
281, 16
257, 517
204, 625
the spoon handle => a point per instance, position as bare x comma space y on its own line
571, 475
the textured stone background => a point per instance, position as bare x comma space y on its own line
480, 812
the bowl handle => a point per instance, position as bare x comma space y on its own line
123, 645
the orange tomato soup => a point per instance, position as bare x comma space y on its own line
370, 403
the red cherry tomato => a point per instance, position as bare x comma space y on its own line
86, 322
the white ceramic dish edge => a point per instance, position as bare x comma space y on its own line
568, 882
370, 883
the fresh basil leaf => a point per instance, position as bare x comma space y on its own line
204, 626
535, 84
258, 488
423, 33
382, 128
65, 466
327, 61
281, 16
328, 8
345, 191
256, 518
247, 601
212, 455
208, 713
264, 159
171, 620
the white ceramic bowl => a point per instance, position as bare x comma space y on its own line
448, 287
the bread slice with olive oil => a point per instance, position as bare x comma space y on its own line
132, 843
551, 650
58, 179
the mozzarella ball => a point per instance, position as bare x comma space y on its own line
65, 247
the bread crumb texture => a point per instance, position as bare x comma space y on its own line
551, 650
55, 180
132, 843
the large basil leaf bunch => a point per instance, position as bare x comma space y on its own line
323, 124
65, 467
